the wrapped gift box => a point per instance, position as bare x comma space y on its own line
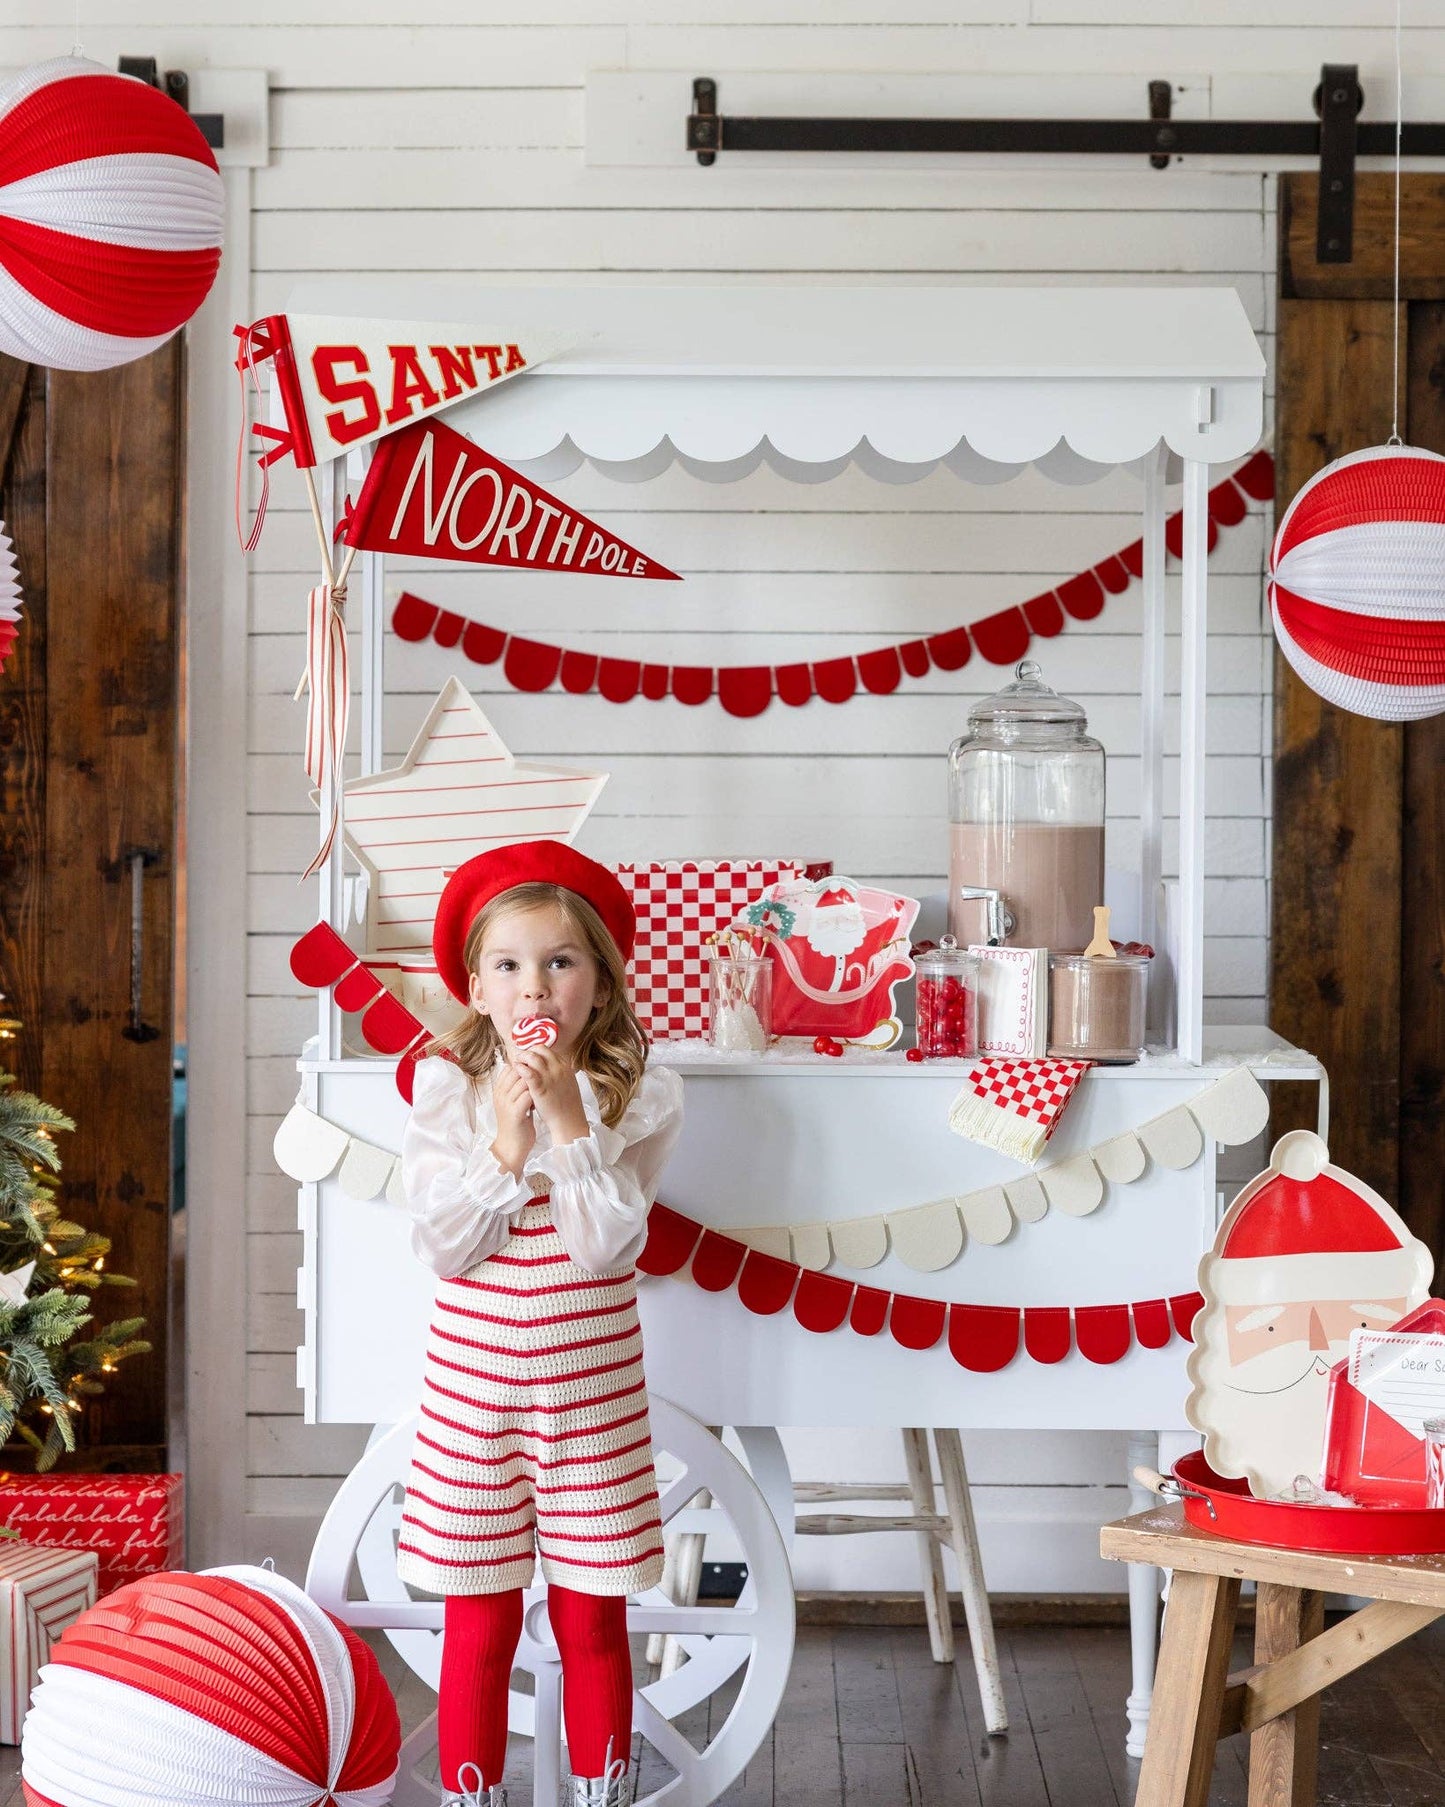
679, 904
135, 1523
41, 1593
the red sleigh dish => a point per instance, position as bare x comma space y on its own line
838, 952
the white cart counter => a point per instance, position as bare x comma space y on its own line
799, 1137
791, 1138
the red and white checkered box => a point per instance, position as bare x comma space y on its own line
679, 904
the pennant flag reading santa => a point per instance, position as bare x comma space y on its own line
345, 381
431, 493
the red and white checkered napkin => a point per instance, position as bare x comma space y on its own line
1015, 1105
679, 904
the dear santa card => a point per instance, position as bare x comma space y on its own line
1402, 1373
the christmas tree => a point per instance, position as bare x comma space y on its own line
49, 1268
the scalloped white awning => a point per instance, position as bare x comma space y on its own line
900, 379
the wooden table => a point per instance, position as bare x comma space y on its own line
1196, 1699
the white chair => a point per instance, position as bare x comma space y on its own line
953, 1528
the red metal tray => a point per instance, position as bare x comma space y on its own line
1228, 1509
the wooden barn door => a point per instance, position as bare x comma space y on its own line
90, 485
1358, 892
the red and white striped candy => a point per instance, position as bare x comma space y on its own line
112, 212
534, 1032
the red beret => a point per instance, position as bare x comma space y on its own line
473, 886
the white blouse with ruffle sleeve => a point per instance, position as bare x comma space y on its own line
463, 1202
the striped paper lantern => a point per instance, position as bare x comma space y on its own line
222, 1689
10, 597
1357, 583
111, 216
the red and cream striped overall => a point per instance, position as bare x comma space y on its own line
533, 1431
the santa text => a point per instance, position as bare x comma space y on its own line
417, 379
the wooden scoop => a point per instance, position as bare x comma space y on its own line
1100, 948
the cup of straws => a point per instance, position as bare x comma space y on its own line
740, 1017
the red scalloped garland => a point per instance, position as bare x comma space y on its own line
321, 958
747, 690
981, 1338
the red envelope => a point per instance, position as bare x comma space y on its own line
1370, 1456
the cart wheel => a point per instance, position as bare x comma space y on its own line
361, 1527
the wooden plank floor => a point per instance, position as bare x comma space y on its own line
870, 1720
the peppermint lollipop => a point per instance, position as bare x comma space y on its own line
534, 1032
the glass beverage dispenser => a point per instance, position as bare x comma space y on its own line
1026, 790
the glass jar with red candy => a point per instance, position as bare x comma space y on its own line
947, 1001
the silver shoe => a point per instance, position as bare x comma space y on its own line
614, 1788
473, 1793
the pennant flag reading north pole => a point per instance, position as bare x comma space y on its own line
431, 493
345, 381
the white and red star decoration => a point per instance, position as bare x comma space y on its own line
458, 792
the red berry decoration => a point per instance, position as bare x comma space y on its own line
834, 1048
915, 1054
823, 1044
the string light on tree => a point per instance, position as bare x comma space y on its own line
50, 1363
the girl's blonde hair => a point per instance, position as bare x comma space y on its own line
612, 1049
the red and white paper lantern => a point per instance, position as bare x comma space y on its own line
10, 597
222, 1689
1357, 583
111, 216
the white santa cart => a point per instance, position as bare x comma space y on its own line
985, 381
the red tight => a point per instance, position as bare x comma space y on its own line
479, 1644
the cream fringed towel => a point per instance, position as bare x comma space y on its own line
1015, 1105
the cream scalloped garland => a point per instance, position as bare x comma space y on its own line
925, 1237
933, 1236
309, 1148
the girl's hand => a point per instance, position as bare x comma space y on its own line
516, 1131
552, 1083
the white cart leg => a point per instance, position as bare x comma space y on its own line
1143, 1452
919, 1465
547, 1745
687, 1578
976, 1611
668, 1585
1194, 640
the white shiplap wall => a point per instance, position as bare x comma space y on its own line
453, 145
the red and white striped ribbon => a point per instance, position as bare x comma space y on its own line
328, 704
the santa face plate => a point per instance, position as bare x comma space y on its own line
1305, 1255
839, 950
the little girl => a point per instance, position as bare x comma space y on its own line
529, 1171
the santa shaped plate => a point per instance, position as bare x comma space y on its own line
1307, 1254
838, 951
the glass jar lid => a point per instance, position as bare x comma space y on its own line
947, 957
1028, 701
